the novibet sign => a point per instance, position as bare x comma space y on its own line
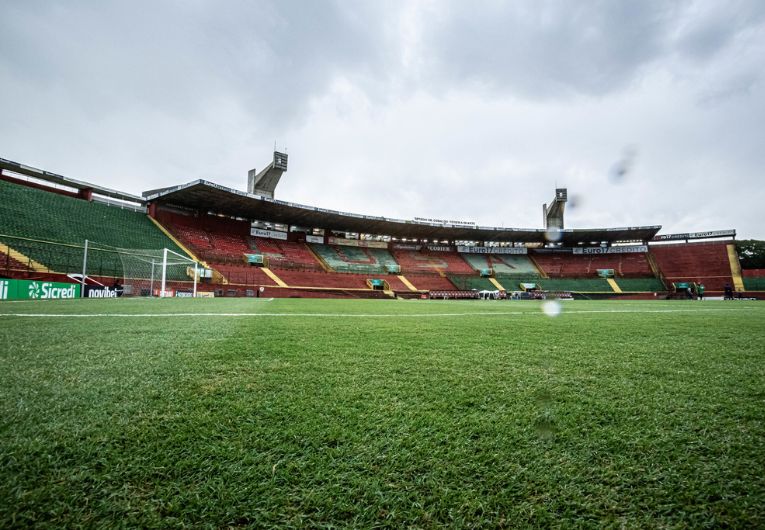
36, 290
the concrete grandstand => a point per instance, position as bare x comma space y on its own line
251, 241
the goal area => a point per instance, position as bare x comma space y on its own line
162, 273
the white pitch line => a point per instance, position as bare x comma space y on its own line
358, 315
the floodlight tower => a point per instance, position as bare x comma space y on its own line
553, 214
264, 183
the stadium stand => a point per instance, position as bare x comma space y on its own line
428, 261
467, 283
503, 265
568, 265
430, 282
707, 263
10, 264
754, 279
342, 258
640, 284
298, 278
244, 274
287, 254
210, 238
51, 228
224, 242
575, 285
42, 231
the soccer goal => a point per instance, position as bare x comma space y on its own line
162, 273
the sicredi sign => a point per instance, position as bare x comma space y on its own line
37, 290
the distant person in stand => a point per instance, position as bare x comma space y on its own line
728, 292
700, 291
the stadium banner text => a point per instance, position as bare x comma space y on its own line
314, 239
492, 250
696, 235
37, 290
272, 234
405, 246
356, 242
611, 250
445, 222
439, 248
102, 291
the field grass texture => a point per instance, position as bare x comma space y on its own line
330, 413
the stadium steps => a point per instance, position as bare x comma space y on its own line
497, 284
735, 268
655, 269
477, 261
22, 260
407, 283
542, 272
217, 276
274, 277
322, 262
614, 285
513, 265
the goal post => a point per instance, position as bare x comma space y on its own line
159, 272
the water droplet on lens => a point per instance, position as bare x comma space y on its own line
553, 235
551, 308
545, 429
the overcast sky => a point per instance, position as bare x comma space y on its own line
649, 112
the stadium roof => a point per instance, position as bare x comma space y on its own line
205, 196
55, 178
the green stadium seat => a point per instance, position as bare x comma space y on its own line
32, 220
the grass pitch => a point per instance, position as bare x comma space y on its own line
310, 413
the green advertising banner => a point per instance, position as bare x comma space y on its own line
37, 290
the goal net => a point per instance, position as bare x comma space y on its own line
158, 273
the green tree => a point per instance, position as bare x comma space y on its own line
751, 253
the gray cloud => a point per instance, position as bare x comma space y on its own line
406, 108
180, 58
548, 48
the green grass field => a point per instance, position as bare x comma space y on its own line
330, 413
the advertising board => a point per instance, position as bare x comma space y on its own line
37, 290
626, 249
102, 291
492, 250
271, 234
